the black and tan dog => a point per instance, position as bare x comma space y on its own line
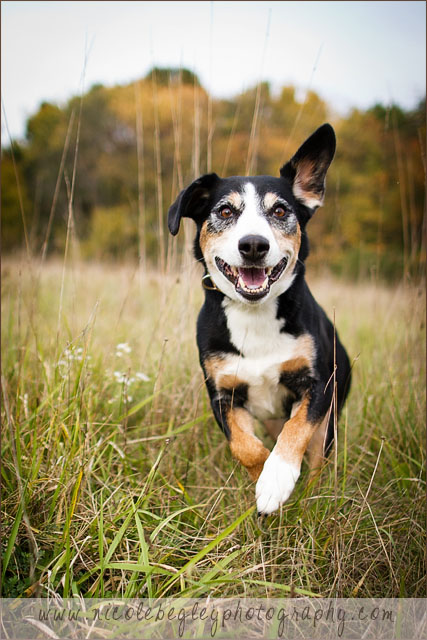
266, 347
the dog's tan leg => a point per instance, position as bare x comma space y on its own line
282, 468
295, 435
316, 448
273, 427
236, 422
244, 445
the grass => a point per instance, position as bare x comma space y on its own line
117, 481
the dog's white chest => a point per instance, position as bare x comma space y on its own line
255, 332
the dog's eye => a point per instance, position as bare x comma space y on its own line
279, 211
225, 212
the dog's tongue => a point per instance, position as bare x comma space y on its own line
252, 277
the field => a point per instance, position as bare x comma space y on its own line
117, 481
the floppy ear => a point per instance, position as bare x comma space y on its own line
191, 201
306, 170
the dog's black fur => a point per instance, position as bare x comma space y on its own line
311, 377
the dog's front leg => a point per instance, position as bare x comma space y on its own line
228, 396
238, 425
282, 468
244, 445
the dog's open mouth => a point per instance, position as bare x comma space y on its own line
252, 282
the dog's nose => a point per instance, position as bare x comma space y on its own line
253, 247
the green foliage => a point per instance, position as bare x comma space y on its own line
373, 218
113, 233
45, 137
172, 75
16, 582
134, 147
15, 205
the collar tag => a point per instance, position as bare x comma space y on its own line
205, 283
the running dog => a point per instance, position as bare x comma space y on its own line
267, 349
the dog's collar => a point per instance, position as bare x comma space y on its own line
208, 283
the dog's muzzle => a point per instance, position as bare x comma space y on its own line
252, 282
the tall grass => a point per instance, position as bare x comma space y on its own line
116, 479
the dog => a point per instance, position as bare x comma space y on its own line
267, 349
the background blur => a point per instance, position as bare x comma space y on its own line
109, 109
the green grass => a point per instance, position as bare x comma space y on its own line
117, 481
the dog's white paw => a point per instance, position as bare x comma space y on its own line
275, 484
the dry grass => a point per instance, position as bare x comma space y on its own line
114, 484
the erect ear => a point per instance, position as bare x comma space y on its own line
306, 170
191, 201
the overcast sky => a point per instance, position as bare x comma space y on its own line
351, 53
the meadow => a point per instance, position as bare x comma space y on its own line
117, 481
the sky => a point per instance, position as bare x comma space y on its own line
352, 54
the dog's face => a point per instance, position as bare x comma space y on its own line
250, 238
250, 229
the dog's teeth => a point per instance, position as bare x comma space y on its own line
243, 286
264, 285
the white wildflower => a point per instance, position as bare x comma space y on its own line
122, 348
142, 376
120, 377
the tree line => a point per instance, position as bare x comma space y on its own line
103, 169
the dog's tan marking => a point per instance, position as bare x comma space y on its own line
244, 445
229, 381
204, 236
305, 358
288, 242
214, 366
235, 199
270, 200
296, 364
295, 436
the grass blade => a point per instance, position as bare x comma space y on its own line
201, 554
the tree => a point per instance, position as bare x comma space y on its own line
15, 205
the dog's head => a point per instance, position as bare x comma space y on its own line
251, 230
